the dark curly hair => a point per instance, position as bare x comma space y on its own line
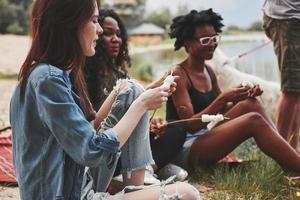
94, 67
183, 27
123, 60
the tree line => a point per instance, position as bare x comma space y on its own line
14, 16
164, 17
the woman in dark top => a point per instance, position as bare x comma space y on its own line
199, 100
198, 93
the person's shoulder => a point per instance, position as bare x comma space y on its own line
44, 71
47, 70
177, 70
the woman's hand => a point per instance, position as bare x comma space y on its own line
153, 98
157, 126
235, 95
255, 91
160, 81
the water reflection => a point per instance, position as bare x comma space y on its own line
261, 63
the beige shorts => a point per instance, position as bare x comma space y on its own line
285, 35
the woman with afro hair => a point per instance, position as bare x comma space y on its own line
198, 93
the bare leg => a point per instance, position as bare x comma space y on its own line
224, 138
288, 118
246, 106
185, 190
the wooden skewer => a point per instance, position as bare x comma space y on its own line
152, 115
156, 109
183, 120
186, 120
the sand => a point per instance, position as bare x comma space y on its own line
13, 50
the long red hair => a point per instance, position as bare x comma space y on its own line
54, 26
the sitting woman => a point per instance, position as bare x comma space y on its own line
198, 93
102, 71
50, 114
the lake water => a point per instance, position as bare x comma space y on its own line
262, 62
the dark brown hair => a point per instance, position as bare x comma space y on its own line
55, 25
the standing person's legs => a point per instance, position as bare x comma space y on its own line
285, 36
136, 152
288, 118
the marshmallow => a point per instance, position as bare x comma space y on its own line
247, 84
210, 118
167, 82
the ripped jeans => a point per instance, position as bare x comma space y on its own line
136, 152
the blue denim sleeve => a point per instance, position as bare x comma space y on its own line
66, 121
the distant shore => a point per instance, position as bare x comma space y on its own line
14, 48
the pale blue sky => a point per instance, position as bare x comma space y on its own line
234, 12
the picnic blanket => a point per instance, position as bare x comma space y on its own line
231, 159
7, 172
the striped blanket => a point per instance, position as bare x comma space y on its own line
7, 172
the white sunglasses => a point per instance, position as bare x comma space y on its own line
207, 40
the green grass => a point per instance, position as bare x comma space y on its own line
8, 76
261, 179
159, 112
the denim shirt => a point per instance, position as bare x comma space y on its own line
52, 140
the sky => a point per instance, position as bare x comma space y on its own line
234, 12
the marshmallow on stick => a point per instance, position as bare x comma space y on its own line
247, 84
212, 119
167, 82
250, 85
209, 118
